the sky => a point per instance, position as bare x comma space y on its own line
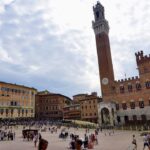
50, 44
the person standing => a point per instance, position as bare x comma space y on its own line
134, 142
43, 144
14, 135
146, 143
85, 141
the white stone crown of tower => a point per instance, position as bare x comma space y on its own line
100, 24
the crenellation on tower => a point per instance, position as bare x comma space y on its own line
130, 79
141, 58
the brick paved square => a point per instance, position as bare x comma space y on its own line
120, 140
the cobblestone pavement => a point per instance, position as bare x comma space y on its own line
120, 140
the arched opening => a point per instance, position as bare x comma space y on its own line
144, 119
126, 119
113, 112
105, 115
118, 119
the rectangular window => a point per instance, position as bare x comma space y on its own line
6, 111
12, 111
11, 103
18, 111
2, 111
3, 88
15, 103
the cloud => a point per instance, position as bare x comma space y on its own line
51, 45
43, 50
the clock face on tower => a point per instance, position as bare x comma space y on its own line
105, 81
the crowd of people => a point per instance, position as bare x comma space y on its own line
32, 130
79, 143
6, 135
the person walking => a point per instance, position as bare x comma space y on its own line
35, 140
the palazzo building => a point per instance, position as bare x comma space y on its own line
50, 105
16, 101
126, 100
72, 112
88, 105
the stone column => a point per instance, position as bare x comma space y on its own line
99, 117
115, 118
122, 119
111, 117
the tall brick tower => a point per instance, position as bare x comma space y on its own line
101, 29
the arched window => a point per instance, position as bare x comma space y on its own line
147, 84
97, 14
143, 117
132, 105
141, 103
117, 106
126, 119
124, 106
118, 119
138, 86
122, 88
129, 87
134, 118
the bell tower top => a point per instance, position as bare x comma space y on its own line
100, 24
98, 11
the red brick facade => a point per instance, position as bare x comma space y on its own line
72, 112
50, 105
132, 95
